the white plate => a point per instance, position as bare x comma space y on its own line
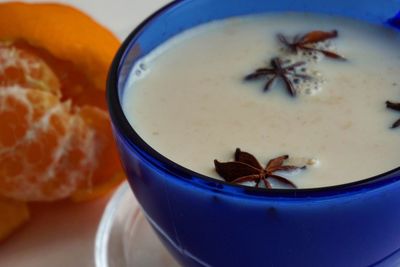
124, 237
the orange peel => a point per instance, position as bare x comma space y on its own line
65, 32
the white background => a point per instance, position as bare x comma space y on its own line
62, 234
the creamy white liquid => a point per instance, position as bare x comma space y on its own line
192, 105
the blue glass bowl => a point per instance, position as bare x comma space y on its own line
205, 222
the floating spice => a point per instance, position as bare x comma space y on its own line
308, 42
394, 106
246, 168
279, 70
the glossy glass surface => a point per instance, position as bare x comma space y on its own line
125, 238
204, 222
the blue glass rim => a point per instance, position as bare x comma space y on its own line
122, 125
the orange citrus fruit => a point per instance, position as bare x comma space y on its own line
55, 138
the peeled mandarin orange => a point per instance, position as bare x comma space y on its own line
18, 66
46, 150
55, 138
13, 214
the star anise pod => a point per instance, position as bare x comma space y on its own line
278, 70
307, 42
246, 168
394, 106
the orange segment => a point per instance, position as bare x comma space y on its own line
13, 214
20, 67
29, 154
98, 121
54, 150
63, 31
